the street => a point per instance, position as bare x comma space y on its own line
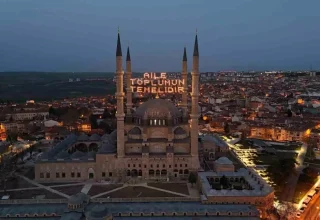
312, 211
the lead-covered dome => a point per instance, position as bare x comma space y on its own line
156, 108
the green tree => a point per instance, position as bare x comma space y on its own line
192, 178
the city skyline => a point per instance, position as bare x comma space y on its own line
80, 36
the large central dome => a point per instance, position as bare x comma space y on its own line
157, 108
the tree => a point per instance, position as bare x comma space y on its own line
192, 178
286, 210
52, 111
226, 128
12, 137
93, 121
224, 181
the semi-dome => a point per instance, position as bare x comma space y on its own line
135, 131
224, 160
95, 137
155, 108
83, 137
179, 131
106, 148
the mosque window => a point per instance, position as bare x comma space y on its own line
72, 174
164, 166
78, 174
155, 121
128, 165
110, 173
63, 175
164, 122
150, 122
47, 175
103, 174
41, 175
57, 175
134, 165
139, 165
169, 166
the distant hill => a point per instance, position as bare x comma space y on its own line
21, 86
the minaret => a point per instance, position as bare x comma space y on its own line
129, 90
184, 74
119, 95
194, 109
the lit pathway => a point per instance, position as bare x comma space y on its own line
18, 189
86, 188
164, 190
288, 193
193, 190
44, 187
107, 192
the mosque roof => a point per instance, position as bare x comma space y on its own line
135, 130
157, 108
83, 137
224, 160
179, 130
95, 137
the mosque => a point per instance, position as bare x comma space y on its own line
157, 141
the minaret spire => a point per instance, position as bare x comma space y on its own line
119, 96
196, 49
194, 116
119, 51
128, 54
184, 75
184, 54
128, 89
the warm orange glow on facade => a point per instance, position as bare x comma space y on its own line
300, 101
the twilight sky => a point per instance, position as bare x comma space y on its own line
80, 35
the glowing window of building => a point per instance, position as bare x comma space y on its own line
159, 122
164, 122
155, 121
150, 122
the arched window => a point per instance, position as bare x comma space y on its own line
164, 122
150, 122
